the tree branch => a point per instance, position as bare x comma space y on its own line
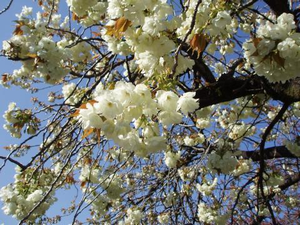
269, 153
7, 7
13, 161
278, 6
228, 89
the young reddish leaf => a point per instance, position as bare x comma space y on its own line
256, 41
87, 132
4, 78
70, 179
77, 18
18, 30
198, 43
82, 184
120, 26
32, 55
83, 106
96, 34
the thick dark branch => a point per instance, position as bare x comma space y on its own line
201, 70
287, 92
228, 89
13, 161
231, 88
269, 153
278, 6
290, 181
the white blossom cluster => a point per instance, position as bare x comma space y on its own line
18, 201
124, 114
186, 173
10, 117
88, 14
16, 119
71, 93
211, 215
171, 159
40, 54
163, 218
209, 19
207, 188
134, 217
242, 167
146, 37
240, 130
224, 163
274, 51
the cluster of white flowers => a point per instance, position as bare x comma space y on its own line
163, 218
99, 205
145, 36
206, 214
40, 54
113, 185
90, 174
71, 93
194, 139
171, 159
43, 57
212, 19
226, 117
219, 24
11, 119
207, 188
18, 202
243, 166
240, 130
88, 14
134, 217
224, 163
16, 119
229, 119
211, 215
274, 51
125, 112
186, 173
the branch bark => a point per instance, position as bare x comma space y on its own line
269, 153
228, 89
278, 6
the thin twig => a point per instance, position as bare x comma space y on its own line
7, 7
